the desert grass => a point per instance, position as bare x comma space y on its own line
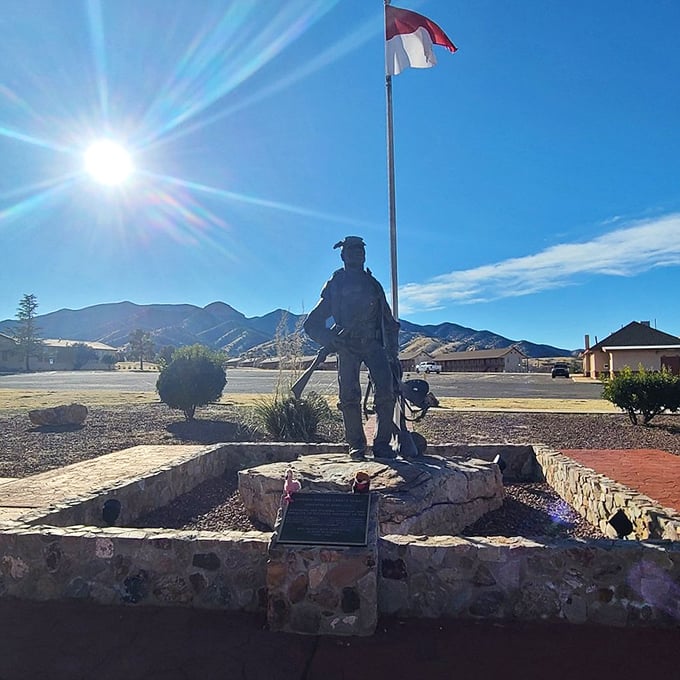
12, 399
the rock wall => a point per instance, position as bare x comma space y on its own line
604, 582
134, 566
519, 461
598, 498
612, 582
140, 493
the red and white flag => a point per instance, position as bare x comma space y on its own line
409, 40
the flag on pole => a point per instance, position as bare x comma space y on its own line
409, 40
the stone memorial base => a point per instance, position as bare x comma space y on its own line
325, 590
428, 495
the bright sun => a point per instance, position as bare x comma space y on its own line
108, 162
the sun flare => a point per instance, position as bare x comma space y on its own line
107, 162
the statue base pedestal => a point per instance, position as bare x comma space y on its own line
325, 589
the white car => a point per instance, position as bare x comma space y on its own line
428, 367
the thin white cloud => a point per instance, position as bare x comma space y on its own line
627, 251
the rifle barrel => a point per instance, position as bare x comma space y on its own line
302, 381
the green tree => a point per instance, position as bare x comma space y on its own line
141, 346
108, 360
195, 377
27, 333
164, 356
645, 393
82, 353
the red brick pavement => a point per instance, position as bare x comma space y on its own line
650, 471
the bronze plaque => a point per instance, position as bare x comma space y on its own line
326, 519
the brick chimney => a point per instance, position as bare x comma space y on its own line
586, 340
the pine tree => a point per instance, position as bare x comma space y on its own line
141, 346
27, 334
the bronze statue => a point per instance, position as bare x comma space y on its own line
363, 330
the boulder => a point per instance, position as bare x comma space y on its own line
71, 414
425, 495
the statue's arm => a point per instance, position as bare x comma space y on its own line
315, 324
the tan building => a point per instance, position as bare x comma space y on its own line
54, 355
637, 344
505, 360
11, 358
409, 359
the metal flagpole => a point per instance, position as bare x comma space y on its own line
391, 194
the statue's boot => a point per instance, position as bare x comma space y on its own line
384, 431
354, 430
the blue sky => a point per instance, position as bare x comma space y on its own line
537, 169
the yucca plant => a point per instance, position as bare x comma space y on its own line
289, 419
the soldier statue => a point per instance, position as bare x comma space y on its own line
353, 319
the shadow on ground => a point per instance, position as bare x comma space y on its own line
210, 431
56, 428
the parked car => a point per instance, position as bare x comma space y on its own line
560, 370
428, 367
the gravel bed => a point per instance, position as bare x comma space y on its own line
214, 505
533, 509
529, 510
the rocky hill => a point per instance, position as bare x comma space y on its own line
220, 326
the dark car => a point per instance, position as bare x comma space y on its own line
560, 370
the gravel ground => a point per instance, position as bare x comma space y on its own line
529, 510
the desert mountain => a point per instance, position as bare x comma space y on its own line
220, 326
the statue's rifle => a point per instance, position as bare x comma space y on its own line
412, 395
302, 381
407, 445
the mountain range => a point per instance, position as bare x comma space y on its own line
220, 326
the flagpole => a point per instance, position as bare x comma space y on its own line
391, 201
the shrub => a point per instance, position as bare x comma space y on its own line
108, 360
646, 393
82, 353
290, 419
194, 377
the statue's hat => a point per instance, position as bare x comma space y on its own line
349, 241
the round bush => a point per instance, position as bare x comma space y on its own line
191, 380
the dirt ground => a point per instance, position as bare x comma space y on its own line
26, 449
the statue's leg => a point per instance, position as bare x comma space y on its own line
350, 402
383, 384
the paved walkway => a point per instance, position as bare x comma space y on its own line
650, 471
80, 641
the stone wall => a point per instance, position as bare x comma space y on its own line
135, 566
604, 582
598, 498
139, 495
519, 461
609, 582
